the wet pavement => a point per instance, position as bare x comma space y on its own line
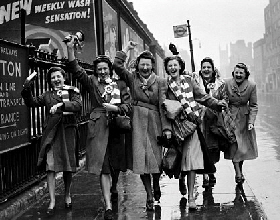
224, 201
257, 198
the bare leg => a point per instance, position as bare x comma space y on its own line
105, 182
67, 178
51, 187
190, 184
237, 169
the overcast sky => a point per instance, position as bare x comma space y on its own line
214, 22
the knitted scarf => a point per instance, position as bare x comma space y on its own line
184, 94
112, 93
64, 94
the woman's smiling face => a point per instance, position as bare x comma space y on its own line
206, 70
57, 80
239, 75
173, 68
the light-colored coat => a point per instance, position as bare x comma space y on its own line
244, 108
147, 123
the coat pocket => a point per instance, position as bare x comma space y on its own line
94, 116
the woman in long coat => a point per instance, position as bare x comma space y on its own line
59, 139
208, 80
243, 105
184, 88
148, 120
105, 147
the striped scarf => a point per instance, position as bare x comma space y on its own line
112, 93
64, 94
184, 94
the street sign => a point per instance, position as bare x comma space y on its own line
180, 30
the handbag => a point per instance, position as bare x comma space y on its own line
171, 162
183, 128
123, 123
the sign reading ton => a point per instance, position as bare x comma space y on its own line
14, 115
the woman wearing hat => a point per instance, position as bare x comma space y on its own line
243, 105
105, 149
59, 139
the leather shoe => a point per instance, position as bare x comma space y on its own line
50, 212
68, 205
150, 205
108, 215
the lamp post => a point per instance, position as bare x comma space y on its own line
191, 45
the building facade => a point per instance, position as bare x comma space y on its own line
271, 62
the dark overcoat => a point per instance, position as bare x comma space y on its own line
99, 137
59, 130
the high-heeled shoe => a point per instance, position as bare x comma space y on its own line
150, 205
192, 204
68, 205
50, 212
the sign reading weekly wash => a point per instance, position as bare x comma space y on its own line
48, 22
14, 115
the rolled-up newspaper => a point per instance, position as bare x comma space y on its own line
32, 75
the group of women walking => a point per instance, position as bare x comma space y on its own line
140, 93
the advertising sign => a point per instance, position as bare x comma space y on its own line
48, 22
14, 115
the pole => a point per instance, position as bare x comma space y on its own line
22, 26
191, 45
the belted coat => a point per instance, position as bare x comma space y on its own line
99, 139
59, 130
244, 108
148, 118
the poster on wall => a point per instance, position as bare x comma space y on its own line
128, 34
14, 115
48, 22
110, 30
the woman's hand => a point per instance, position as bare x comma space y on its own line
110, 107
250, 126
223, 104
71, 49
167, 133
131, 45
55, 107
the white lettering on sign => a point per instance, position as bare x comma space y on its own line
12, 10
13, 69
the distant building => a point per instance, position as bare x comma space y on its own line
271, 60
241, 53
259, 70
224, 63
